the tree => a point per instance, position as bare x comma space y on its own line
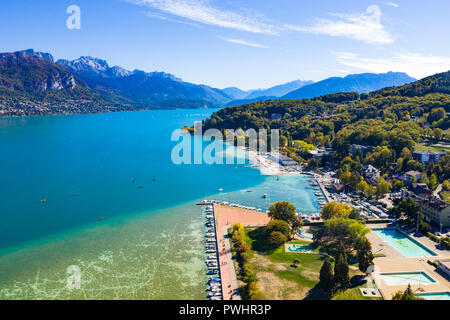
346, 178
446, 185
280, 226
406, 154
438, 134
383, 187
296, 225
252, 290
303, 146
436, 115
341, 271
398, 184
276, 239
433, 182
424, 227
355, 179
364, 188
355, 214
335, 210
284, 141
326, 275
283, 211
407, 295
364, 254
313, 164
408, 208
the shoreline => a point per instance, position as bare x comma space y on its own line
270, 167
226, 217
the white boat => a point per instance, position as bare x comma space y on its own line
214, 294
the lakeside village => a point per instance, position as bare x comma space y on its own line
382, 233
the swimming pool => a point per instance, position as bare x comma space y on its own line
405, 245
435, 296
398, 279
299, 248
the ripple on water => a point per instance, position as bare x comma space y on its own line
151, 256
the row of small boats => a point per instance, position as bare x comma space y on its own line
214, 288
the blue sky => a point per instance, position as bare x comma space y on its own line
248, 43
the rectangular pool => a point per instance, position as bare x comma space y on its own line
413, 278
405, 245
435, 296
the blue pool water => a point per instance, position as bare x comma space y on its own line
299, 248
405, 278
403, 244
150, 243
435, 296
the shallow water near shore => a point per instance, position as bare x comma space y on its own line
118, 167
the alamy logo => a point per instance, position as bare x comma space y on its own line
74, 278
217, 152
74, 20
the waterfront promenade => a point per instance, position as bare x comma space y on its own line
226, 217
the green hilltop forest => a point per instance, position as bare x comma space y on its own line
393, 120
392, 117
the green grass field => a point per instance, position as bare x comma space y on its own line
280, 279
421, 147
445, 195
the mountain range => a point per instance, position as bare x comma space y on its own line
33, 83
361, 83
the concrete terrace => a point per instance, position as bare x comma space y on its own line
395, 262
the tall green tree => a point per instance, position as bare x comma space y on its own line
326, 275
364, 253
409, 209
280, 226
283, 211
341, 271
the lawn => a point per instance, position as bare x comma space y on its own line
445, 195
280, 279
421, 147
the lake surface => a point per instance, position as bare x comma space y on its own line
117, 167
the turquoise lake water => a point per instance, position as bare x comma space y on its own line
403, 244
116, 166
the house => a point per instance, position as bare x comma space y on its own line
337, 188
326, 155
420, 188
276, 116
412, 176
284, 160
434, 209
288, 163
364, 149
428, 156
370, 173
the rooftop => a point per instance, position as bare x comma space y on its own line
429, 152
413, 173
369, 168
432, 201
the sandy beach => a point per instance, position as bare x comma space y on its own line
269, 166
225, 218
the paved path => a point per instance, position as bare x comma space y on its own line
225, 218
